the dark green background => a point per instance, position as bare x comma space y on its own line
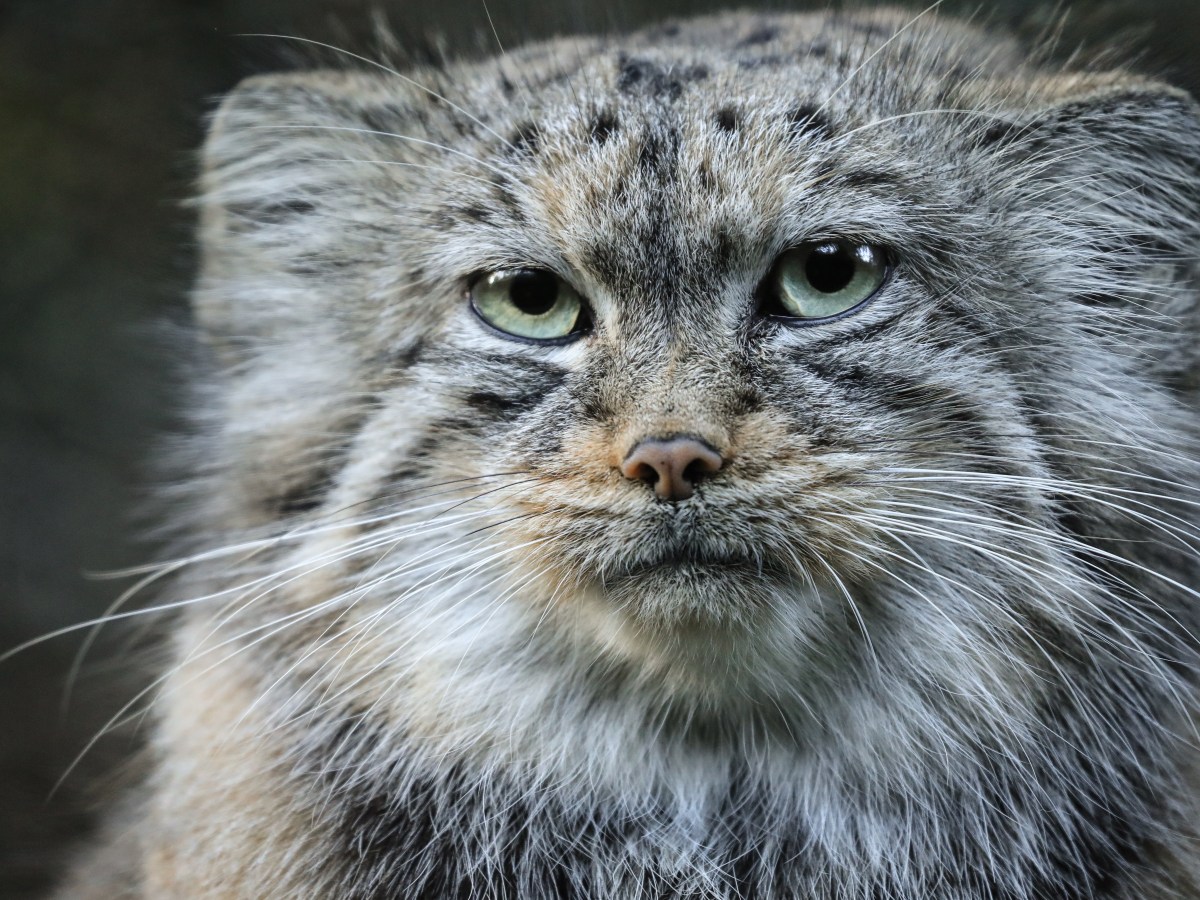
101, 104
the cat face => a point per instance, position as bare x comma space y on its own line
508, 294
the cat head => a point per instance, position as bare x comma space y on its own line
804, 345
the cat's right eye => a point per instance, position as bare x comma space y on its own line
532, 304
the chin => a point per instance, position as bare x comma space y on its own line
705, 594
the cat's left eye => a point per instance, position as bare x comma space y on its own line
824, 280
533, 304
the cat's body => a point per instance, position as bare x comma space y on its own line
921, 630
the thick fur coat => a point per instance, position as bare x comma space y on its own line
929, 632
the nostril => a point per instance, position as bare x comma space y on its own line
644, 472
701, 466
672, 466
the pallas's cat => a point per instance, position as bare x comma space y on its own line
753, 457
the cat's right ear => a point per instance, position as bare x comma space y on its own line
300, 269
285, 176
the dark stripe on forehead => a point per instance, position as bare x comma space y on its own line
659, 153
503, 187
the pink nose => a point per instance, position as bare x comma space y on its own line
672, 465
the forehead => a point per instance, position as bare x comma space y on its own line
679, 158
608, 150
785, 63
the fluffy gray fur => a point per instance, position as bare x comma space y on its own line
928, 633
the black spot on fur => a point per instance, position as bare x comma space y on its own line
304, 498
807, 120
727, 120
427, 448
640, 76
477, 213
407, 356
632, 73
861, 178
385, 119
763, 35
872, 29
462, 126
526, 139
603, 127
998, 134
724, 247
769, 61
507, 88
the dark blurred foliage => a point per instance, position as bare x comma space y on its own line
101, 109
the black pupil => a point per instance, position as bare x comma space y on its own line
830, 269
532, 292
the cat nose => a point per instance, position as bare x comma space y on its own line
671, 465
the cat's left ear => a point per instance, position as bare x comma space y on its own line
1103, 129
1101, 172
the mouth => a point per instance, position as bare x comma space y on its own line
675, 589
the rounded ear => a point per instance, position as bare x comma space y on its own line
1094, 135
293, 265
1092, 117
1111, 165
280, 170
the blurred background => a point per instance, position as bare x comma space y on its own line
102, 104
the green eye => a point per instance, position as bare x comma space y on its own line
529, 303
821, 281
